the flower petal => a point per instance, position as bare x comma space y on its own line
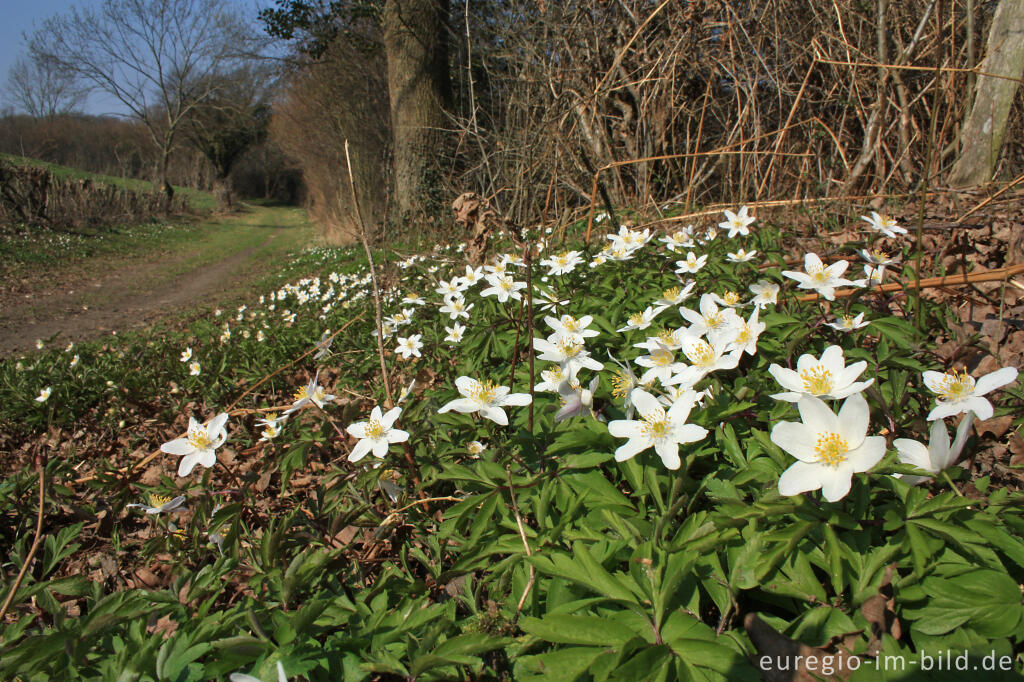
797, 439
994, 380
801, 477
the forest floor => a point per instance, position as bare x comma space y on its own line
77, 297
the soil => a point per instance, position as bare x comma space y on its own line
119, 294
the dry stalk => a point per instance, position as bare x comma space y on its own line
378, 317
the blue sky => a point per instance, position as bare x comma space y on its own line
19, 16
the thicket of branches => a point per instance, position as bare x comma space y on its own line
702, 102
731, 102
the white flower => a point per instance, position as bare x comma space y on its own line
409, 346
711, 321
40, 344
450, 288
827, 378
271, 426
485, 398
737, 223
504, 287
822, 279
662, 429
571, 357
186, 354
194, 369
324, 346
830, 448
472, 276
552, 379
877, 257
939, 455
576, 400
730, 300
568, 328
44, 394
681, 239
475, 448
692, 264
959, 392
624, 383
456, 307
563, 263
199, 444
74, 361
661, 364
883, 224
847, 323
674, 296
159, 504
412, 298
455, 333
547, 300
765, 293
749, 331
311, 393
640, 320
705, 357
741, 256
376, 435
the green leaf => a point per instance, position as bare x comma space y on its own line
590, 630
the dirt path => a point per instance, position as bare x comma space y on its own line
137, 292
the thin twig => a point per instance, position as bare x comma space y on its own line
41, 465
522, 534
389, 403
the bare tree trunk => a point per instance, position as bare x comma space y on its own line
165, 183
983, 130
415, 41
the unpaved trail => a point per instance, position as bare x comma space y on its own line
137, 292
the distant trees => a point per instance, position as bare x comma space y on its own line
159, 58
40, 87
228, 121
412, 36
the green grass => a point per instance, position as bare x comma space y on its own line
197, 199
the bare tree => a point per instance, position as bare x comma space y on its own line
42, 89
157, 57
985, 126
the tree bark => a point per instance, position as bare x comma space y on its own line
419, 87
985, 126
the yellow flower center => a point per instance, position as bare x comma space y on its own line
666, 337
485, 392
199, 440
655, 426
158, 500
662, 357
569, 349
713, 320
702, 353
956, 386
848, 321
570, 323
672, 294
731, 298
506, 283
374, 429
301, 394
818, 380
622, 384
745, 334
831, 449
636, 319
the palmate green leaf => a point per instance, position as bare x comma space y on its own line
989, 601
588, 630
583, 569
560, 665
